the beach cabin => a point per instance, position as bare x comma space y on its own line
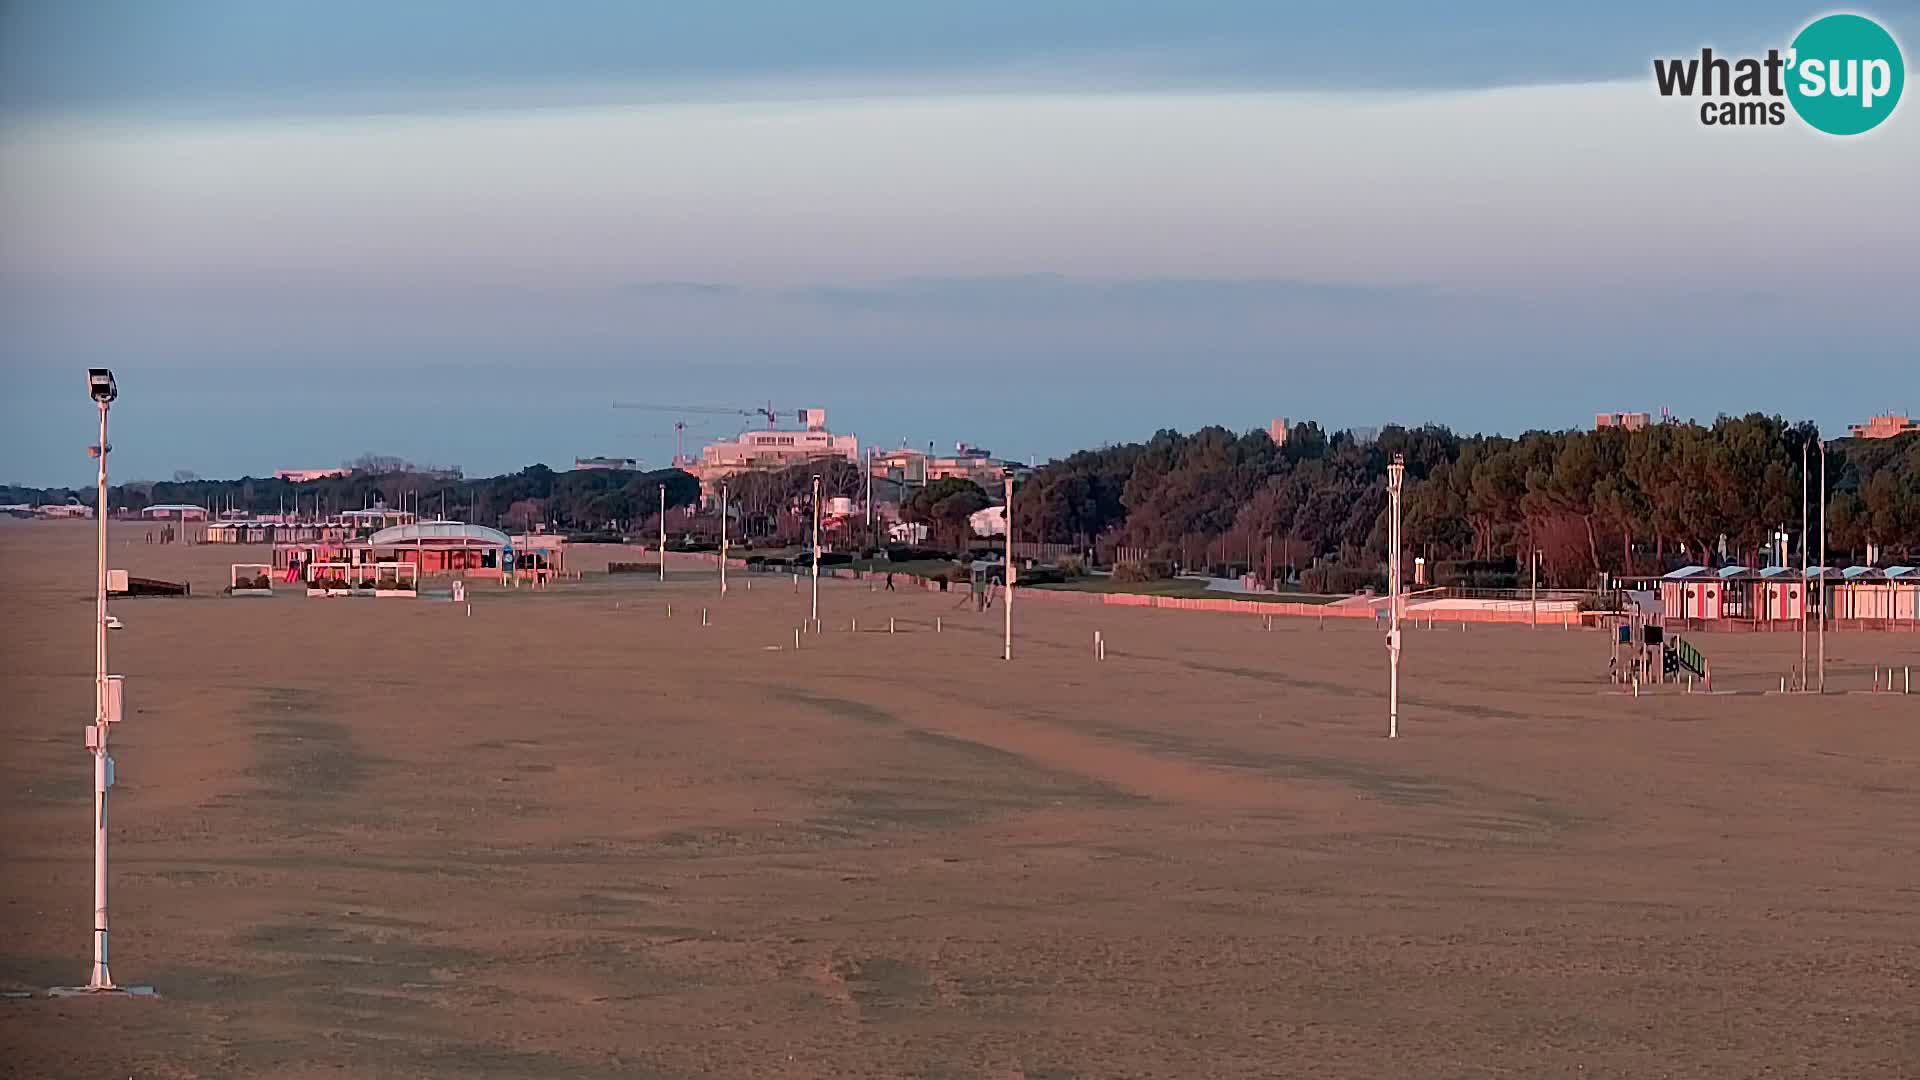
1695, 592
1865, 592
1780, 595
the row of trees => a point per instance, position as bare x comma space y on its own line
1610, 500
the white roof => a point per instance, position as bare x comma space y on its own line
440, 533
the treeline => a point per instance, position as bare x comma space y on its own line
1588, 501
581, 499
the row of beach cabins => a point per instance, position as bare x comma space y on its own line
1776, 597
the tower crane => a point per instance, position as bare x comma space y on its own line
708, 410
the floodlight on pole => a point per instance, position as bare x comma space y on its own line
108, 698
1396, 473
816, 551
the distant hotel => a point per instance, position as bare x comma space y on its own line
770, 451
1883, 427
630, 464
1631, 421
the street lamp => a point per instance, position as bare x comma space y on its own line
1396, 473
1006, 652
663, 532
1823, 566
107, 700
723, 538
816, 553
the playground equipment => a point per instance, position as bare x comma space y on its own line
1645, 654
251, 579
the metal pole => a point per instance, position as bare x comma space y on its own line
1823, 566
816, 551
101, 979
1803, 564
1395, 477
663, 533
1534, 618
723, 538
1006, 652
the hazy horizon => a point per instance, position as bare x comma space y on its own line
457, 233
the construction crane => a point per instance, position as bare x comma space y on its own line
709, 410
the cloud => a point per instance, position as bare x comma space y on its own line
240, 58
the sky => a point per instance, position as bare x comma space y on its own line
458, 230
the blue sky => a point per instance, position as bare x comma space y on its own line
456, 231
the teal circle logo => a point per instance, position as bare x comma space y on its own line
1845, 74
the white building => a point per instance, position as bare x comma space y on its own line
774, 450
968, 462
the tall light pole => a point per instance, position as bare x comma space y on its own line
1533, 619
1803, 564
723, 538
663, 534
816, 551
1395, 477
1823, 566
1006, 652
106, 711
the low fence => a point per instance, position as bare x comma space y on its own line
1784, 626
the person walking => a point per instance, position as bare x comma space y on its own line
889, 581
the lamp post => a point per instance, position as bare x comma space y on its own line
1006, 652
816, 552
1395, 477
663, 533
1803, 565
106, 712
723, 538
1823, 566
1533, 620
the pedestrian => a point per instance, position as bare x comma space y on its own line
889, 581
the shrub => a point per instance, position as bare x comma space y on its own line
1071, 566
1135, 571
910, 553
832, 558
1335, 578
